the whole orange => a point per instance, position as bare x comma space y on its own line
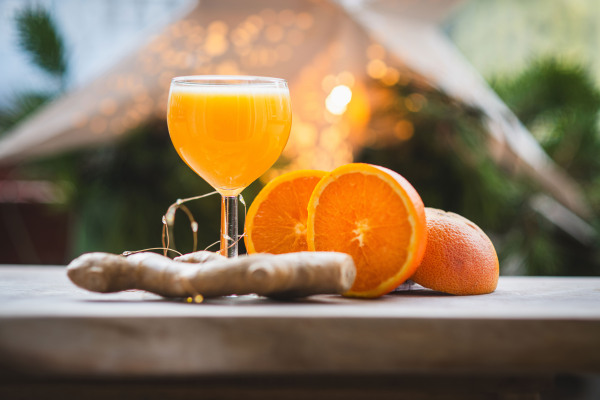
459, 258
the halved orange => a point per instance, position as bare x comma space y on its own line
276, 220
375, 215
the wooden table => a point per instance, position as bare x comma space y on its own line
532, 337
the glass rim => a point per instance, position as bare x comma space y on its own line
224, 79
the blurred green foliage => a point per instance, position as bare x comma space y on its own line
447, 162
119, 192
560, 105
41, 41
22, 106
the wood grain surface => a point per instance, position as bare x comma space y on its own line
49, 327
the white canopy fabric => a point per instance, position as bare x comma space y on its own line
316, 46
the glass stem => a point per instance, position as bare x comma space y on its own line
229, 226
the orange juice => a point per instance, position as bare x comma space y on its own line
229, 134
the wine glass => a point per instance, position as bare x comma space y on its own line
229, 130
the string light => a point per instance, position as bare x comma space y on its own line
331, 107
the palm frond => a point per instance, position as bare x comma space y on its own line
39, 37
21, 106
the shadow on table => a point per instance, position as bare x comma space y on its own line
251, 299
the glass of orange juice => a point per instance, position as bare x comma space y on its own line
229, 130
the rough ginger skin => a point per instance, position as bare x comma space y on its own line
286, 275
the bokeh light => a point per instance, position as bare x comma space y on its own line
338, 99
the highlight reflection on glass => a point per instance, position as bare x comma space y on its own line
229, 130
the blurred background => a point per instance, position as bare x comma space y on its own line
490, 108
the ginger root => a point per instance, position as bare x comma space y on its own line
200, 257
285, 275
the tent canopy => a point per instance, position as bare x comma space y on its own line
316, 46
